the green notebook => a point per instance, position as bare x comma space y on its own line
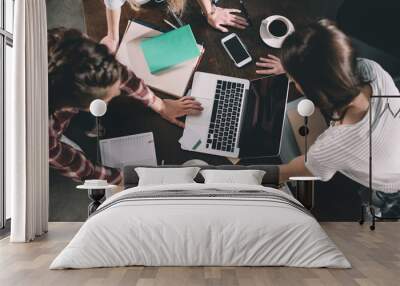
169, 49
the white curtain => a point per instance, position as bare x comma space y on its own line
27, 124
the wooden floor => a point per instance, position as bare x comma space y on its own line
375, 257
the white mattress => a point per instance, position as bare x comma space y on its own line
191, 231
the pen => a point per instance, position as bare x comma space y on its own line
169, 24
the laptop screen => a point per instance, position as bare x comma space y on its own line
265, 109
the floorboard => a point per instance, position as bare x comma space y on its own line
375, 257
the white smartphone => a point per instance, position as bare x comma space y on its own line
236, 50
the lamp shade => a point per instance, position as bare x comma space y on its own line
305, 108
98, 107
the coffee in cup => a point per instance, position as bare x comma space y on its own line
278, 28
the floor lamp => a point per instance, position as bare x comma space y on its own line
305, 185
394, 113
305, 108
98, 108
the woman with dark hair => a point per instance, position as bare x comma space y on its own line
81, 70
320, 60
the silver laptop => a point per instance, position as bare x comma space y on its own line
240, 118
217, 130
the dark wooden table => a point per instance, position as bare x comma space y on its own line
125, 116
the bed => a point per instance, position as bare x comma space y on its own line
198, 224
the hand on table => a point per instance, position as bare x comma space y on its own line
222, 18
110, 43
172, 109
271, 65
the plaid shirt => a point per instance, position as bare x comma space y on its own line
73, 163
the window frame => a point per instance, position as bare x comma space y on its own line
6, 39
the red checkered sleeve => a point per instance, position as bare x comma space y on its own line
71, 162
136, 88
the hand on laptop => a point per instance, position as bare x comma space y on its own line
173, 109
271, 65
220, 18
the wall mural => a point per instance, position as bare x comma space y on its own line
85, 64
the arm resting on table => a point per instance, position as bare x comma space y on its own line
75, 165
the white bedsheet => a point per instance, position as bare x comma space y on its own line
192, 231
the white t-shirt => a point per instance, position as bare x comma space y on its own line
114, 4
345, 148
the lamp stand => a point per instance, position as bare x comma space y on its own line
303, 131
305, 138
98, 140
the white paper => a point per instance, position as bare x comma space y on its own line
130, 54
190, 137
190, 140
136, 149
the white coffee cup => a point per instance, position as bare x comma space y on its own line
275, 40
284, 26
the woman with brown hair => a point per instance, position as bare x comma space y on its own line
81, 70
218, 18
321, 61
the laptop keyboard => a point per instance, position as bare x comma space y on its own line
225, 116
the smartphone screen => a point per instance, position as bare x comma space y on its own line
236, 49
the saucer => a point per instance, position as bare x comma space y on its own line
268, 38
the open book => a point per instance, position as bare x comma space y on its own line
173, 81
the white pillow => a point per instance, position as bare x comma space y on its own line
247, 177
166, 176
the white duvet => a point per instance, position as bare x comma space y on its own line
200, 231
